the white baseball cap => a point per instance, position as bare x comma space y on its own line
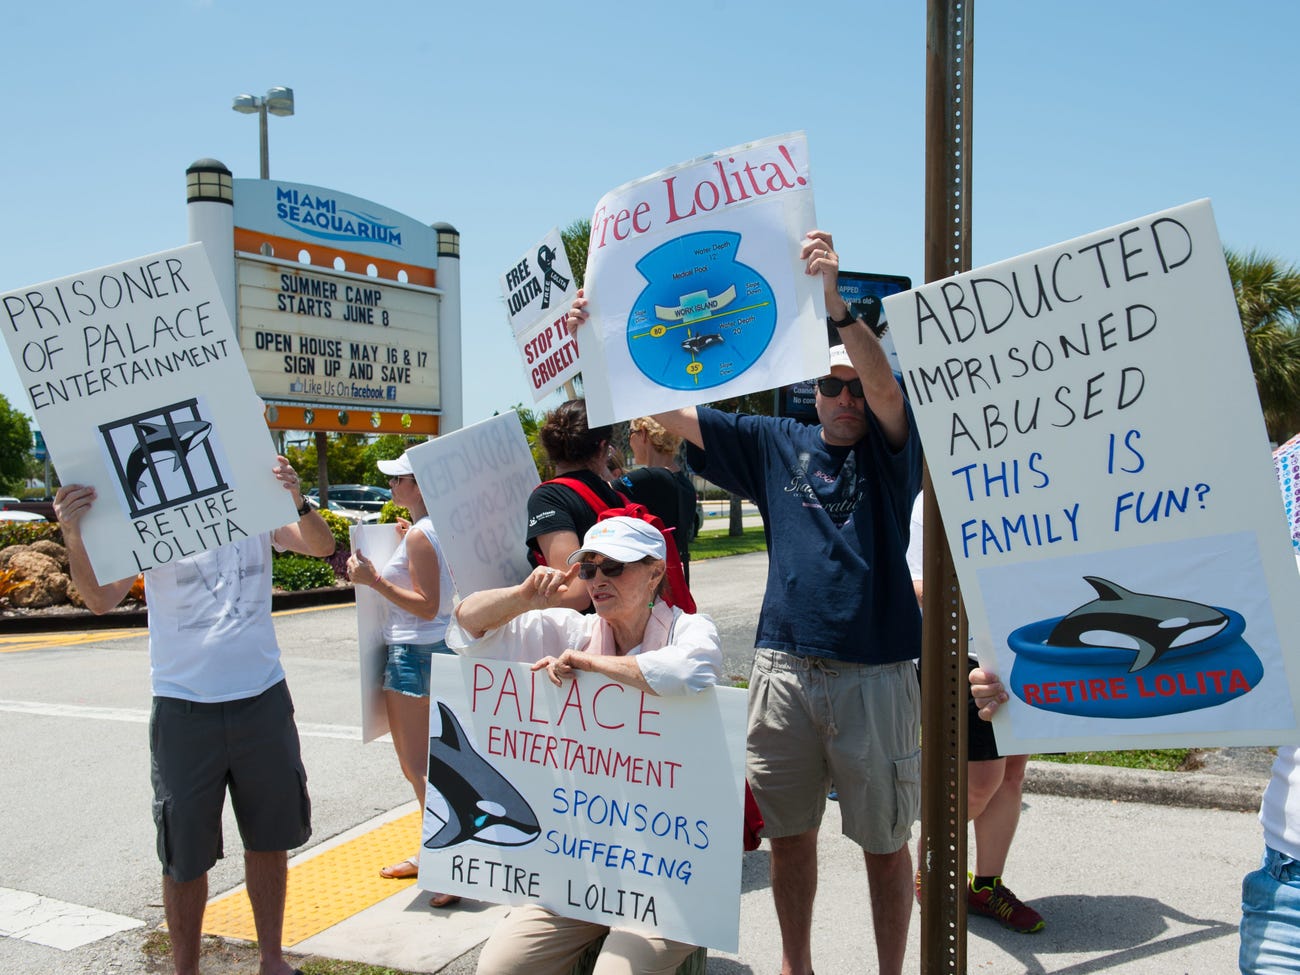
840, 357
622, 539
395, 468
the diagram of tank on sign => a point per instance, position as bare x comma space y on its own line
703, 317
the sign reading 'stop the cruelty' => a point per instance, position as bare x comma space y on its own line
1095, 442
136, 380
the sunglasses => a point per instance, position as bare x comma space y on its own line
398, 478
831, 386
610, 570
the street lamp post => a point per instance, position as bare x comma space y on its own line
277, 101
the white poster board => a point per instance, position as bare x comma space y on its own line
134, 375
696, 290
538, 289
475, 483
603, 803
1095, 443
377, 543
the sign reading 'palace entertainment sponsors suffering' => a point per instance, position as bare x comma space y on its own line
594, 799
1096, 447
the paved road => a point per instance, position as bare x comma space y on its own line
1127, 887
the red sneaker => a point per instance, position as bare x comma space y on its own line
999, 903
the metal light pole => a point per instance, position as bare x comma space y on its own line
277, 101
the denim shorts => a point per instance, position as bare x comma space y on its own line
407, 670
1270, 917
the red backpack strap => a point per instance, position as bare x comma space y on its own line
678, 594
583, 491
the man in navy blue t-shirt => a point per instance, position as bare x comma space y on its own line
833, 696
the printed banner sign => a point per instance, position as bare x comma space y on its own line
377, 543
538, 290
696, 290
475, 483
1095, 443
594, 799
134, 374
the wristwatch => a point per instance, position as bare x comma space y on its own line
845, 322
304, 509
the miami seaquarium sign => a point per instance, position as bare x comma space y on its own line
312, 214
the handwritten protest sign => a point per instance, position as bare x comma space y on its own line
377, 543
538, 290
1090, 422
475, 483
603, 803
134, 375
695, 285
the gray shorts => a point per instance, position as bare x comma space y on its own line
814, 722
198, 751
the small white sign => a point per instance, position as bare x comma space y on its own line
377, 543
538, 289
475, 483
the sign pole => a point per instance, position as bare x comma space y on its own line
948, 74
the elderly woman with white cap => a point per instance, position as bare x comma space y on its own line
634, 637
418, 587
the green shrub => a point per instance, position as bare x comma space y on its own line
338, 528
293, 572
26, 532
391, 511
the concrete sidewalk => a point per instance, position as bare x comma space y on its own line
1149, 887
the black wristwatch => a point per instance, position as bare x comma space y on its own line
304, 509
843, 322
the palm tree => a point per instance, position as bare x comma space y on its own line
1268, 300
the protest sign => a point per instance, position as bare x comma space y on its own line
596, 800
475, 483
1095, 443
377, 543
538, 290
134, 375
695, 287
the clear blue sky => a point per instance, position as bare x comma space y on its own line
506, 119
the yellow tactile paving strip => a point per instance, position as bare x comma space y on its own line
46, 641
327, 888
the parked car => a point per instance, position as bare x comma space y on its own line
354, 515
43, 508
9, 515
361, 497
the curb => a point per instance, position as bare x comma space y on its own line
139, 618
1234, 793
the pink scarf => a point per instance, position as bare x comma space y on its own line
658, 629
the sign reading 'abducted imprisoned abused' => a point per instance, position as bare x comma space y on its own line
1093, 436
135, 378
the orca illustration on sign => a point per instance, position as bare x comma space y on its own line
482, 805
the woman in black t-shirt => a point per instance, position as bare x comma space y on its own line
660, 484
560, 514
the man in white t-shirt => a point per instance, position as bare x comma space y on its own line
222, 717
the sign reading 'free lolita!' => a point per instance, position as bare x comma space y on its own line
695, 287
1095, 443
593, 799
538, 289
136, 380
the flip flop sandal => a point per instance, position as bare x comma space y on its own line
444, 900
401, 871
